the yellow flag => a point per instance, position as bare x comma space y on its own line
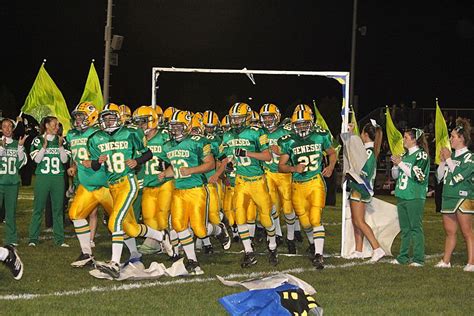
92, 91
394, 137
441, 133
354, 121
45, 99
322, 123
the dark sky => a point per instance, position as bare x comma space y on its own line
409, 52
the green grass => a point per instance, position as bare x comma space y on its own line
361, 289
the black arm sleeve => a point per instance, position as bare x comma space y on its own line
95, 165
147, 155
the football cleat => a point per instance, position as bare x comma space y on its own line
318, 261
298, 236
208, 250
111, 268
291, 246
83, 260
273, 257
13, 262
224, 237
248, 260
166, 244
193, 268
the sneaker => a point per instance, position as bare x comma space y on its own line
175, 257
64, 245
248, 260
13, 262
208, 250
235, 234
32, 244
291, 246
193, 267
442, 264
224, 237
415, 264
111, 268
318, 261
298, 236
83, 260
310, 251
273, 257
378, 254
469, 268
166, 244
356, 255
394, 261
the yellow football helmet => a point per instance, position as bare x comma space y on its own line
109, 117
197, 127
180, 125
125, 114
302, 122
238, 114
270, 115
210, 121
84, 115
168, 112
145, 118
304, 107
225, 123
159, 111
253, 119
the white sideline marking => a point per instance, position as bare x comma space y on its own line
188, 280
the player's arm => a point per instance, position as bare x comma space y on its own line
208, 163
221, 166
331, 153
167, 173
284, 167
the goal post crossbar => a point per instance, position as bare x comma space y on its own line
340, 76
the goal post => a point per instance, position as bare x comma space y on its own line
342, 77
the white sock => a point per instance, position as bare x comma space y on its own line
290, 226
188, 244
213, 230
153, 233
131, 244
117, 246
206, 241
309, 234
319, 236
272, 242
3, 253
276, 222
251, 229
83, 233
245, 237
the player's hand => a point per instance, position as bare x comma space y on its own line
396, 160
275, 149
213, 178
445, 154
102, 159
87, 163
161, 176
22, 139
71, 171
240, 152
132, 163
185, 171
299, 168
327, 172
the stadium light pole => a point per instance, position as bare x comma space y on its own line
108, 40
353, 52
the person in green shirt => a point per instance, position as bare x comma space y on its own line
48, 152
412, 172
12, 158
359, 196
456, 170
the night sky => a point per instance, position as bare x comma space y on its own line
410, 52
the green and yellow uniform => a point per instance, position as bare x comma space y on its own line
12, 158
215, 189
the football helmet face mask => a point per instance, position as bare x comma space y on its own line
270, 116
196, 124
238, 114
109, 118
180, 125
84, 116
254, 119
225, 123
210, 121
304, 107
302, 123
159, 112
145, 118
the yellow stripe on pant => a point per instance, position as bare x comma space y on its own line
248, 190
279, 187
188, 208
156, 205
84, 202
309, 199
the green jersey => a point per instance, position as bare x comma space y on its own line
155, 166
119, 146
139, 170
189, 152
252, 139
10, 163
273, 138
51, 163
78, 145
459, 183
308, 151
414, 185
215, 142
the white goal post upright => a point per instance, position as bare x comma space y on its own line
341, 76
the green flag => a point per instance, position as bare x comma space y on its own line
395, 138
354, 121
45, 99
321, 122
441, 133
92, 91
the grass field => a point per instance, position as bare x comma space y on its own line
51, 286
